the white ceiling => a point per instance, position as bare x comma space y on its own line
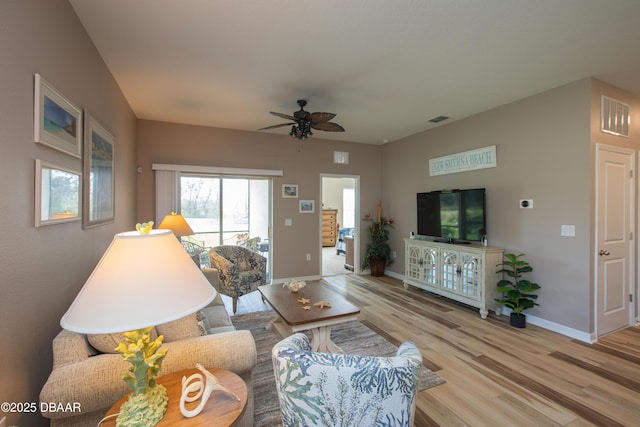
384, 67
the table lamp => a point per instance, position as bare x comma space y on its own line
176, 223
141, 281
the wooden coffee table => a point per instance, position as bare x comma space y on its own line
318, 320
220, 410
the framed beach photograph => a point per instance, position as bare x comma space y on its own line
290, 191
98, 188
57, 122
57, 194
307, 206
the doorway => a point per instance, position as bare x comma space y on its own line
613, 258
340, 197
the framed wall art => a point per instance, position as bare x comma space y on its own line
307, 206
290, 191
57, 122
57, 194
99, 187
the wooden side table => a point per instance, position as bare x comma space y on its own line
220, 410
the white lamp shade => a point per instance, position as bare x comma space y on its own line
142, 280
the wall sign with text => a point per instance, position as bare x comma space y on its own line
481, 158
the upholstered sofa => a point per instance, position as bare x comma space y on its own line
87, 371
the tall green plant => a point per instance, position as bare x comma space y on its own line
378, 246
517, 293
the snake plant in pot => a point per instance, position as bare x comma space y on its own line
517, 292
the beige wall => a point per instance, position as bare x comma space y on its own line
44, 268
302, 163
544, 152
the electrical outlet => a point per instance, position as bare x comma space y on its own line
394, 255
288, 222
308, 257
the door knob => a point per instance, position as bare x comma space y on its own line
603, 252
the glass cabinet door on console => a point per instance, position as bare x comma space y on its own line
421, 263
449, 273
460, 273
469, 275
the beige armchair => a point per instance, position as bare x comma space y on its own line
240, 270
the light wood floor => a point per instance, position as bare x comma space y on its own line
498, 375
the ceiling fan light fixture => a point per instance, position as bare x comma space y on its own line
303, 122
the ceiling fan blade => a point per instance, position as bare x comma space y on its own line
321, 117
277, 126
283, 116
327, 126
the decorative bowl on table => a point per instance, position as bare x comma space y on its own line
295, 285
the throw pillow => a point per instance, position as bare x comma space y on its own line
180, 329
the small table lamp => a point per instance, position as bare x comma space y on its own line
141, 281
176, 223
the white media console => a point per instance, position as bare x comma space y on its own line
464, 273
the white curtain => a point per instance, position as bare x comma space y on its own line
167, 193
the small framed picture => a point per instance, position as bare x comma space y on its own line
57, 195
57, 121
290, 191
307, 206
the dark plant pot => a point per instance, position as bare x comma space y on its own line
377, 265
518, 320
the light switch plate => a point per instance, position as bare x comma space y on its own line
288, 222
568, 230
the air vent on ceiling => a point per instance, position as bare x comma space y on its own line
439, 119
614, 117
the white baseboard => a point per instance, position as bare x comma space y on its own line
394, 275
288, 279
587, 337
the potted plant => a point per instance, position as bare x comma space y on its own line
517, 292
378, 253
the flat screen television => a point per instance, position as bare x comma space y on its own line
454, 216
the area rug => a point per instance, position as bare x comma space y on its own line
352, 337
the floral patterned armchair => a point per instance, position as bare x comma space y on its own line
240, 270
319, 389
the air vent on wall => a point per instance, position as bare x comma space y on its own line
614, 117
439, 119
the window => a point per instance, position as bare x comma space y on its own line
227, 210
348, 207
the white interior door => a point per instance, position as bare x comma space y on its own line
614, 251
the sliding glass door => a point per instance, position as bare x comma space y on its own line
227, 210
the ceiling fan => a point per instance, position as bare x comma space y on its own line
303, 122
